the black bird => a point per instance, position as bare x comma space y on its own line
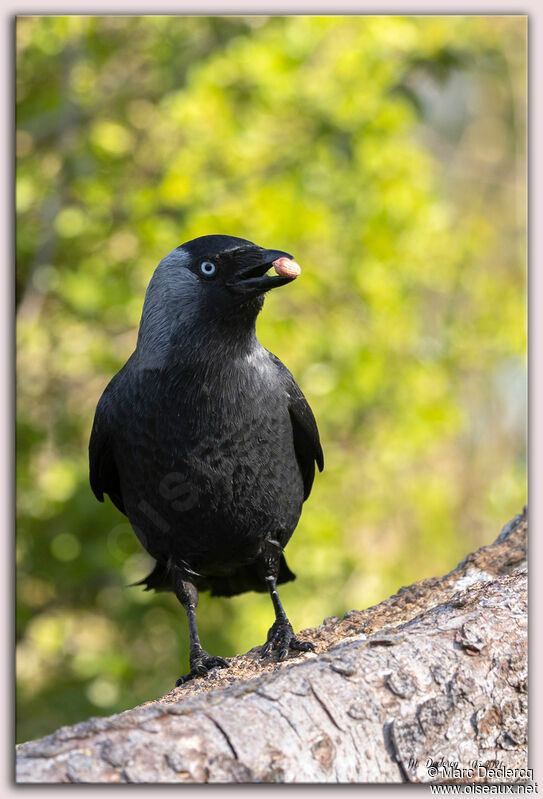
203, 438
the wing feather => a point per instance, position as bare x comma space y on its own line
103, 473
305, 433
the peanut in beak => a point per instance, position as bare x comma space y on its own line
286, 267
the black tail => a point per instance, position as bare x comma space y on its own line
246, 578
159, 580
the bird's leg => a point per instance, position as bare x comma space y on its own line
281, 635
200, 660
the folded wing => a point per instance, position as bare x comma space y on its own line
305, 433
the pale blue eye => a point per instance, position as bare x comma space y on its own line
207, 268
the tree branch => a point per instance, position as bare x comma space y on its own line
436, 672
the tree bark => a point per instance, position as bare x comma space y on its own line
428, 686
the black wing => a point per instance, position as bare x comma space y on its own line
305, 433
103, 474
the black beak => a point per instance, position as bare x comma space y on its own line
253, 279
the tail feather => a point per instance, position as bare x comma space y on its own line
159, 579
246, 578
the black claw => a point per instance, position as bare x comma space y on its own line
215, 663
302, 646
202, 665
281, 637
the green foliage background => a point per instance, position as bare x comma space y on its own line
388, 155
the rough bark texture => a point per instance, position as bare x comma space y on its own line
435, 673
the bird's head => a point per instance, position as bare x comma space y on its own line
211, 282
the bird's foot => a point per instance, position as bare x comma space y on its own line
200, 664
281, 637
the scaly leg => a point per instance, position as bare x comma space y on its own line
281, 635
200, 660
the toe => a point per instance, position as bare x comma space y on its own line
302, 646
216, 663
200, 666
283, 653
282, 639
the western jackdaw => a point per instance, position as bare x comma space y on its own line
203, 438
